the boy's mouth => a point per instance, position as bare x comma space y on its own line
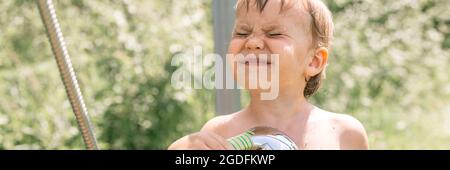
254, 61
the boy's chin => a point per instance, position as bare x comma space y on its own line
256, 90
264, 94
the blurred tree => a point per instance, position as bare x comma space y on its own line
389, 67
121, 51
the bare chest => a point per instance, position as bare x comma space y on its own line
311, 137
317, 138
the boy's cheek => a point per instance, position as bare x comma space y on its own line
287, 66
235, 46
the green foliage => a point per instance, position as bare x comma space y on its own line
389, 68
121, 51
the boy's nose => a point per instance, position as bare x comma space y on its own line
254, 43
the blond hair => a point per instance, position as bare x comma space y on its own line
321, 29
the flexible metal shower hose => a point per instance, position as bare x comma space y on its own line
48, 15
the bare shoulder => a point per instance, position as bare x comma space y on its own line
351, 132
218, 124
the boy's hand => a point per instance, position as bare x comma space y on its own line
201, 141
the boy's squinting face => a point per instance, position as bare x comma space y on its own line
286, 33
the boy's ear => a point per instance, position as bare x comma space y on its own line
318, 62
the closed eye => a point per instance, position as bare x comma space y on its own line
241, 34
274, 35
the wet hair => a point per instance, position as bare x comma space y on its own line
321, 29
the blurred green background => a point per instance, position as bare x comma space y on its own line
389, 68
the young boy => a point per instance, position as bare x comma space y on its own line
300, 31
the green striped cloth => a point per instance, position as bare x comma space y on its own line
242, 141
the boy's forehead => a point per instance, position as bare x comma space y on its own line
282, 7
266, 27
274, 12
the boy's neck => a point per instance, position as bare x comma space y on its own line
289, 106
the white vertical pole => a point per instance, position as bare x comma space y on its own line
227, 100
